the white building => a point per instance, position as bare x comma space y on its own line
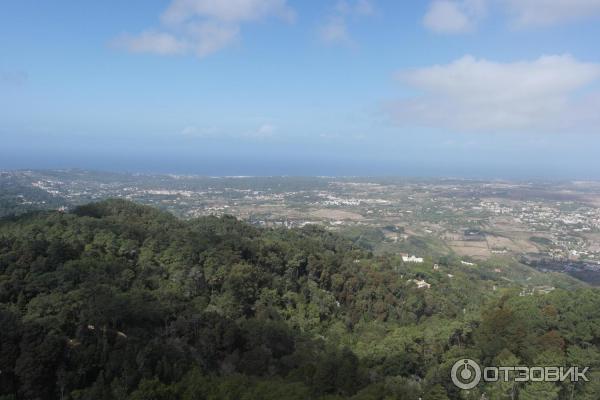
412, 259
421, 284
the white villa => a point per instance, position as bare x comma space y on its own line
412, 259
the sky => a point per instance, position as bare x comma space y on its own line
453, 88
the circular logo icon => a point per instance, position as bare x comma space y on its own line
466, 374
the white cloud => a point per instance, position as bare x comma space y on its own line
232, 11
152, 42
477, 95
453, 16
357, 7
263, 131
203, 26
208, 37
459, 16
446, 17
335, 30
528, 13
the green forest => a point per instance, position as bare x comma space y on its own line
114, 300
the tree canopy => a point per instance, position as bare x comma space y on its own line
120, 301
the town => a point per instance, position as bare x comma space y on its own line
542, 224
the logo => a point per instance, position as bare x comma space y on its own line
466, 374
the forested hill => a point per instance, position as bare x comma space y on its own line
120, 301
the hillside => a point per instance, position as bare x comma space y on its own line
120, 301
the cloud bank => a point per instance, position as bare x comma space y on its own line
202, 27
549, 94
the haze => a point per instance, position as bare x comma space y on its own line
471, 88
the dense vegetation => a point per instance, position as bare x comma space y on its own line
121, 301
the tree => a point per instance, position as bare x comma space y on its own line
436, 392
153, 389
539, 390
10, 336
40, 355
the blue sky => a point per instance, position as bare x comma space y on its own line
475, 88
